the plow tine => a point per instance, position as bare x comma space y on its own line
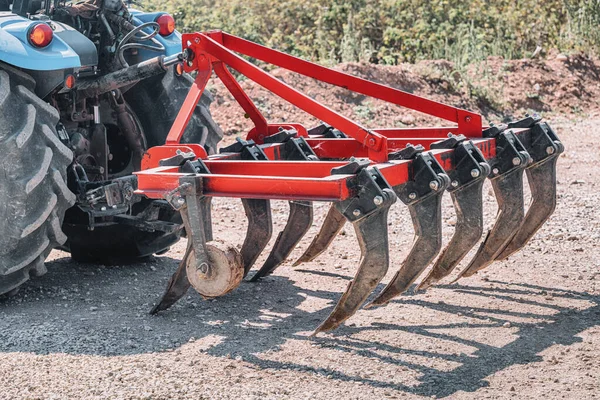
372, 236
423, 196
427, 220
333, 224
542, 181
299, 221
507, 183
468, 204
368, 213
544, 148
178, 285
260, 229
466, 187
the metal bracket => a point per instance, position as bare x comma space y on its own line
372, 193
177, 160
527, 122
299, 149
510, 155
282, 136
352, 168
494, 130
543, 143
427, 178
247, 148
470, 165
450, 143
327, 131
407, 153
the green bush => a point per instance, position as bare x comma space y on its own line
392, 31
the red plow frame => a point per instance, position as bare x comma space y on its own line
361, 171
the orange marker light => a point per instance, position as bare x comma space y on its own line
166, 24
40, 35
70, 81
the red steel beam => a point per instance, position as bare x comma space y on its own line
375, 142
305, 180
469, 123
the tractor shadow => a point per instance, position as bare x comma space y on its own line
82, 309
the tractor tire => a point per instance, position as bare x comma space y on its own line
156, 102
33, 190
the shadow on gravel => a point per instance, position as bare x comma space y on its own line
82, 309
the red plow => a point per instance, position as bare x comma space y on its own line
361, 171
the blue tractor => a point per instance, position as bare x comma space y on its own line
85, 89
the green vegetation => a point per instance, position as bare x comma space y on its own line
393, 31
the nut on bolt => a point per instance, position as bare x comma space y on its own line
475, 173
356, 212
433, 185
179, 201
516, 161
412, 195
378, 200
550, 150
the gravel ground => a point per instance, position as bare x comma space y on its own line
525, 328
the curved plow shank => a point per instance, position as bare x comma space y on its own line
427, 219
333, 224
542, 181
508, 190
299, 221
467, 177
468, 203
372, 233
178, 285
541, 175
260, 229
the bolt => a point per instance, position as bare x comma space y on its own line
378, 200
412, 195
371, 142
114, 206
495, 171
203, 268
449, 135
179, 201
454, 183
103, 208
433, 185
356, 212
516, 161
467, 119
475, 173
550, 150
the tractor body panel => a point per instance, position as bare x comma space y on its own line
68, 49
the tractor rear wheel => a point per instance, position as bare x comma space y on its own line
33, 191
156, 102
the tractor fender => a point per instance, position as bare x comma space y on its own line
68, 50
172, 42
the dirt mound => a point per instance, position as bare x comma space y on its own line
498, 89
